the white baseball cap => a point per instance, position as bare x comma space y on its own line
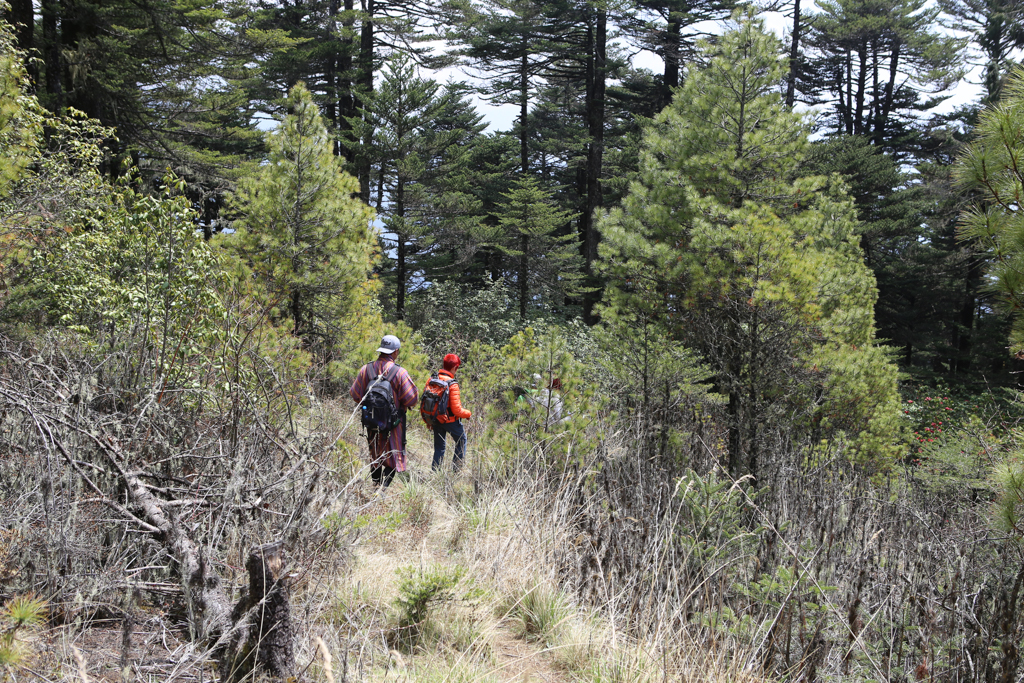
389, 344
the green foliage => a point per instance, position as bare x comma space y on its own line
524, 427
419, 591
18, 615
651, 378
991, 169
450, 318
541, 612
530, 229
758, 269
302, 232
419, 138
1008, 514
714, 524
139, 268
20, 115
168, 76
874, 61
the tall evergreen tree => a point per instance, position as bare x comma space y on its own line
671, 29
872, 60
167, 75
421, 136
991, 168
544, 261
302, 229
997, 29
758, 269
513, 43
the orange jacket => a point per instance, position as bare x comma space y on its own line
454, 404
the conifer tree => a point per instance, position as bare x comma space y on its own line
872, 60
753, 266
997, 29
991, 167
421, 137
513, 42
302, 229
527, 231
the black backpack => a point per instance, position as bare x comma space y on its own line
380, 413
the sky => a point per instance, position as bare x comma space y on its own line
502, 117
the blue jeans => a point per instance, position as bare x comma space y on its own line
441, 432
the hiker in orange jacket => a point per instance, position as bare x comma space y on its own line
451, 423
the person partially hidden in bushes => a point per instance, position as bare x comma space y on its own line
442, 411
384, 391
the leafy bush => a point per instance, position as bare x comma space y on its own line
450, 318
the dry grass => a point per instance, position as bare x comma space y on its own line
597, 569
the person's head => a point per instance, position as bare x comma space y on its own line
451, 362
389, 346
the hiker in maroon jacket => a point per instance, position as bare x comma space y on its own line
387, 451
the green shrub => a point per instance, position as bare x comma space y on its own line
419, 591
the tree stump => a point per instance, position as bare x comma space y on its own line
263, 635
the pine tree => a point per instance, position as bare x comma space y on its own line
166, 75
543, 261
420, 136
996, 27
513, 43
753, 266
302, 229
991, 168
671, 29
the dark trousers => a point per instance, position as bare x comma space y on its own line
441, 432
382, 475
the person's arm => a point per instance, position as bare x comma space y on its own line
455, 404
358, 389
405, 392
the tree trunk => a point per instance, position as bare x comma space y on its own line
331, 74
596, 73
862, 75
346, 102
671, 77
365, 87
50, 10
794, 54
524, 107
22, 17
890, 88
400, 274
524, 281
264, 637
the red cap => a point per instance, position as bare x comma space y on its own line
451, 362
